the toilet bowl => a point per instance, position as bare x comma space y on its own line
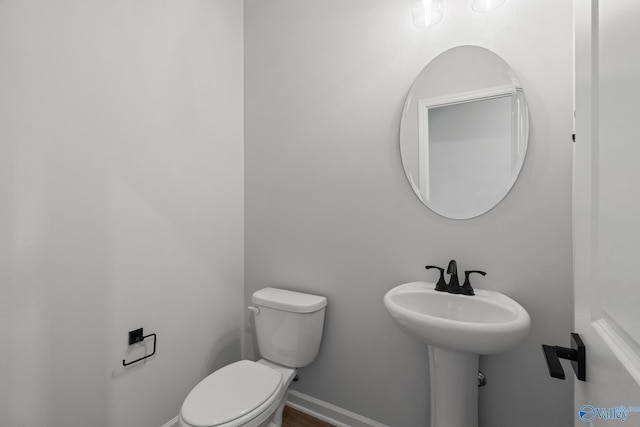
244, 393
253, 394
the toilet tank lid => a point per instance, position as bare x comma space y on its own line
295, 302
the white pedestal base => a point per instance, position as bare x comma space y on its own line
454, 388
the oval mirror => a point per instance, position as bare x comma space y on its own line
464, 132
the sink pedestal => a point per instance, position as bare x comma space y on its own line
454, 388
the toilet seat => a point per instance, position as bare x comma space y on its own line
232, 396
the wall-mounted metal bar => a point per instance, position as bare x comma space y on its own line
136, 336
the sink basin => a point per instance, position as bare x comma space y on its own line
488, 322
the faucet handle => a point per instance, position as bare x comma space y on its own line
466, 286
441, 285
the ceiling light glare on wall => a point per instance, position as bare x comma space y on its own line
427, 13
486, 5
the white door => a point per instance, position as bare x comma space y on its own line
607, 210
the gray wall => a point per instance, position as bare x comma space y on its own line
121, 206
328, 208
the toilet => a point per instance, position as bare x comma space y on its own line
253, 394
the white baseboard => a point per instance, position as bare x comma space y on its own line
327, 412
171, 423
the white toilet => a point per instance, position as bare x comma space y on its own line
252, 394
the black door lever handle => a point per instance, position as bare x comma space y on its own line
576, 354
553, 362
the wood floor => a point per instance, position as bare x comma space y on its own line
294, 418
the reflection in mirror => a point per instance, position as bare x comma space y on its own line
464, 131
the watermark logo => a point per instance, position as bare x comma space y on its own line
588, 413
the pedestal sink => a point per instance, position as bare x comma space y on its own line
457, 329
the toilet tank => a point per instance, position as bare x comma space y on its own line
288, 325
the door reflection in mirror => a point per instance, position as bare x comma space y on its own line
463, 140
